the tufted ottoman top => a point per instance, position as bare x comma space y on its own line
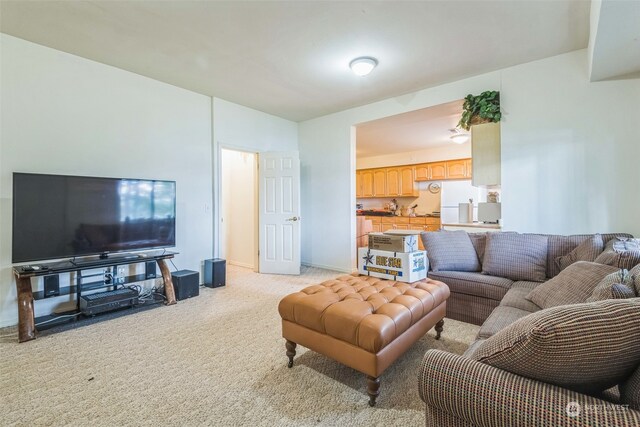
364, 311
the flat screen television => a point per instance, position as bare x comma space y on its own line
60, 216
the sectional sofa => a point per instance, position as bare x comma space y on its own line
559, 342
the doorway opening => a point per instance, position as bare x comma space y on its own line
239, 208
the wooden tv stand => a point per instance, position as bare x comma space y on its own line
26, 314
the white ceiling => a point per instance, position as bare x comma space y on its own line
290, 58
412, 131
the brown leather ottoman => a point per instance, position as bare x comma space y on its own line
363, 322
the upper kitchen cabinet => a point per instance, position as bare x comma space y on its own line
457, 169
366, 178
358, 184
468, 165
407, 181
379, 183
485, 151
437, 171
393, 182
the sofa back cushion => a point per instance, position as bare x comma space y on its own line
479, 241
588, 250
561, 245
573, 285
621, 253
450, 251
516, 256
583, 347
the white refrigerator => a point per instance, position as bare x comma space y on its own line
453, 193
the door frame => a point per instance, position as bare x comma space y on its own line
217, 201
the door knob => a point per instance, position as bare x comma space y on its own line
293, 218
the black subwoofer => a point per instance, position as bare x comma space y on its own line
186, 284
215, 272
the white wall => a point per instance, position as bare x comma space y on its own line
570, 151
244, 129
433, 154
238, 208
63, 114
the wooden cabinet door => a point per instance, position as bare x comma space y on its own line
422, 172
401, 226
438, 171
379, 183
377, 228
393, 182
366, 177
358, 184
468, 168
456, 169
407, 181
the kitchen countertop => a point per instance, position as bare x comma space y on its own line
473, 224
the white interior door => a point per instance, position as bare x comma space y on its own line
279, 211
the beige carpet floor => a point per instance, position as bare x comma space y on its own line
217, 359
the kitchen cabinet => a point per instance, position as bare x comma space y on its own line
407, 181
437, 171
400, 181
486, 152
366, 177
457, 169
379, 183
468, 164
393, 182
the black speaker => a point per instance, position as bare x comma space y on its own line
150, 269
215, 272
186, 284
51, 286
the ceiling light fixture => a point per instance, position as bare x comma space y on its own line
457, 137
363, 65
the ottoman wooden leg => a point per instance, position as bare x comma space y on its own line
373, 389
291, 351
439, 328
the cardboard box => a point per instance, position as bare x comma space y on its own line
401, 266
393, 242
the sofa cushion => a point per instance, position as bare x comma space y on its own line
473, 347
516, 256
552, 346
588, 250
516, 297
525, 284
475, 284
479, 241
617, 285
621, 253
450, 251
573, 285
635, 274
629, 389
499, 319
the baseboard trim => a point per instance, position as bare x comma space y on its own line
240, 264
327, 267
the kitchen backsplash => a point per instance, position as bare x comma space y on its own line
427, 202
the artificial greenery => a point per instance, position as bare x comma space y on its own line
484, 108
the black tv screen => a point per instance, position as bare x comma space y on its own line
58, 216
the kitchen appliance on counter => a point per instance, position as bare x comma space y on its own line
489, 213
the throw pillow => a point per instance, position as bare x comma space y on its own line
621, 253
516, 256
583, 347
479, 241
573, 285
618, 285
450, 251
635, 275
630, 390
585, 251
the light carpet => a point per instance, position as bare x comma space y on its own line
217, 359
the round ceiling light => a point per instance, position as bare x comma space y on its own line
459, 138
363, 65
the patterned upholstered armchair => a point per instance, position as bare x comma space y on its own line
460, 392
